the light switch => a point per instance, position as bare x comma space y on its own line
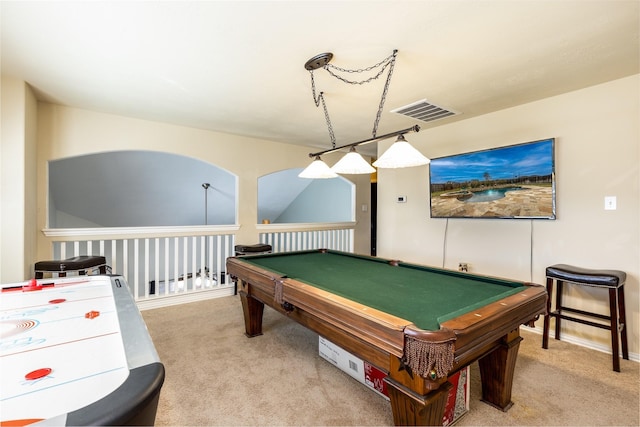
610, 203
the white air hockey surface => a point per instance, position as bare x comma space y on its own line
61, 347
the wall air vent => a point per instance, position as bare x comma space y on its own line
425, 111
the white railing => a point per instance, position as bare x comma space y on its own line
157, 262
171, 265
296, 237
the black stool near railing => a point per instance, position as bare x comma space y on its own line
79, 264
613, 280
257, 249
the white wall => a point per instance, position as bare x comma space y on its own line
597, 138
17, 180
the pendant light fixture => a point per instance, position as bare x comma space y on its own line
353, 163
318, 170
402, 155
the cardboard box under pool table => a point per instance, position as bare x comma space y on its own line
372, 377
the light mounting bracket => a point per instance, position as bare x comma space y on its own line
318, 61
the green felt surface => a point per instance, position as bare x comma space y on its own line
425, 296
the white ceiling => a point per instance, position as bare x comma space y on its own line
238, 66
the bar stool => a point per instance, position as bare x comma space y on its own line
79, 264
257, 249
613, 280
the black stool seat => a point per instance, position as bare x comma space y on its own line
586, 276
613, 280
79, 264
252, 249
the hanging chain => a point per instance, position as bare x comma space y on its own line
317, 100
383, 98
388, 62
384, 64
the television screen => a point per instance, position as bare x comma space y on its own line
517, 181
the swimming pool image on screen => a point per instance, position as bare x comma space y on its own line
516, 181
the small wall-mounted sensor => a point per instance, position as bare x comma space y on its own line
402, 199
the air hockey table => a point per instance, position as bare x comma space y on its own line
76, 351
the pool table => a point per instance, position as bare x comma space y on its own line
419, 324
76, 351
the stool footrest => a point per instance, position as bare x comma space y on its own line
579, 320
582, 312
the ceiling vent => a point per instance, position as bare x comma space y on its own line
425, 111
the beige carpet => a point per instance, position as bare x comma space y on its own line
217, 376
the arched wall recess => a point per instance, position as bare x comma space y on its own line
138, 189
283, 197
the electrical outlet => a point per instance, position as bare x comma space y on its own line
463, 266
402, 199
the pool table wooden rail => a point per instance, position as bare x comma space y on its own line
478, 328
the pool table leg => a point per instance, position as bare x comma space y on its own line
413, 409
415, 400
253, 310
497, 369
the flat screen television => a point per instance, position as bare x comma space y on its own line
516, 181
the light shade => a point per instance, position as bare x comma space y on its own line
401, 155
353, 163
318, 169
